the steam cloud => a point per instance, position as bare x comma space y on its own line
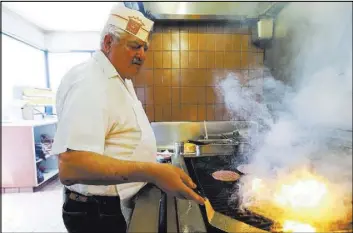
300, 124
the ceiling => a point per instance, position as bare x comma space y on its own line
91, 16
63, 16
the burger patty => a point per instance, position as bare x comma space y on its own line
224, 175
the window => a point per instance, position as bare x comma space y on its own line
60, 63
22, 65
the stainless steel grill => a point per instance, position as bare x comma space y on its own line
222, 195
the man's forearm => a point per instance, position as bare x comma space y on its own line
81, 167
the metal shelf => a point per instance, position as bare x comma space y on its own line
50, 173
46, 157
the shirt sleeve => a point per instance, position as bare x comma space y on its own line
83, 121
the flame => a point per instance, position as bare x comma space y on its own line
303, 193
298, 200
256, 184
292, 226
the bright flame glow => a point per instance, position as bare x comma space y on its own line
302, 194
292, 226
296, 195
256, 184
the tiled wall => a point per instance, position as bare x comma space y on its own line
183, 65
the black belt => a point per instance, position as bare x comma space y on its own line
91, 199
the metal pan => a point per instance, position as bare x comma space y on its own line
216, 149
198, 143
218, 146
212, 141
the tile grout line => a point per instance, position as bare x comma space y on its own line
181, 29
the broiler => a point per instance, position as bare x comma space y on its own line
224, 210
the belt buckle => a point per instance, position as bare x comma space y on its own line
77, 197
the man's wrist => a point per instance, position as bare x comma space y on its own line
150, 172
145, 171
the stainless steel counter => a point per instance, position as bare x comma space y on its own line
190, 218
145, 216
181, 215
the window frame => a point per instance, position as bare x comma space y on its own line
49, 85
45, 55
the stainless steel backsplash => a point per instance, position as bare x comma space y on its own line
167, 133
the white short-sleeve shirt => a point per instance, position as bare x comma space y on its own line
95, 114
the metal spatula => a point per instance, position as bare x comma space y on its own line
224, 222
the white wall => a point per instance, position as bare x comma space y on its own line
67, 41
16, 26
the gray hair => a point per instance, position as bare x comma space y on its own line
112, 30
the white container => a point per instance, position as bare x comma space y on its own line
28, 112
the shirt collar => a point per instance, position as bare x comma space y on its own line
105, 64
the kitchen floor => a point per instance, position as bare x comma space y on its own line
39, 211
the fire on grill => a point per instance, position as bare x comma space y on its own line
299, 201
296, 200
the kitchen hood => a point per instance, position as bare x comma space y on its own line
223, 11
258, 16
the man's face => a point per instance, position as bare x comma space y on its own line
127, 55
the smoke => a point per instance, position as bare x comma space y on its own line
299, 124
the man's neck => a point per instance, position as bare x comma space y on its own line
121, 76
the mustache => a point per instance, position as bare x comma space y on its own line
137, 61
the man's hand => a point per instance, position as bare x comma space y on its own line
175, 181
82, 167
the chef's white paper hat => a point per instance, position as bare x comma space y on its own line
131, 21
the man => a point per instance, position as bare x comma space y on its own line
106, 146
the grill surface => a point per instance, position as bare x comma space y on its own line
222, 195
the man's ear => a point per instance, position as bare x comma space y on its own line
107, 43
150, 36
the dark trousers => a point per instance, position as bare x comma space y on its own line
92, 214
